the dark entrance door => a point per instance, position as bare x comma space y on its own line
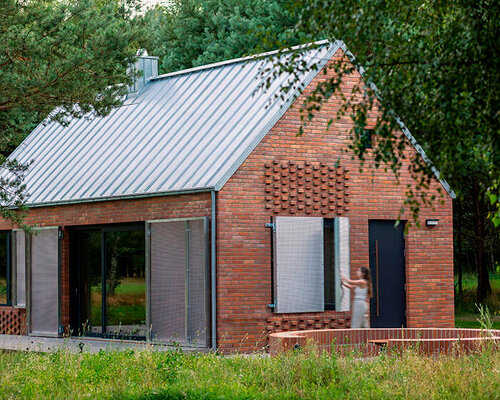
387, 266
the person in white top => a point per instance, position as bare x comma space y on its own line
362, 292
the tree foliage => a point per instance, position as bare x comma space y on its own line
63, 58
437, 64
188, 33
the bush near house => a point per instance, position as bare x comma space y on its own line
300, 375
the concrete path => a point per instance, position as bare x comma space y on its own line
78, 345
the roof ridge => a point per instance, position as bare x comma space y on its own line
242, 59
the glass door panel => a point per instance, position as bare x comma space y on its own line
125, 284
91, 286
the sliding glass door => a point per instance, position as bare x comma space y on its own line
109, 282
129, 285
125, 277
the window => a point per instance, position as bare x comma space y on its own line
310, 253
5, 291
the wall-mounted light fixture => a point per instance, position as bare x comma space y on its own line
431, 222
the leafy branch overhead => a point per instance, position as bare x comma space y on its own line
59, 58
67, 54
436, 65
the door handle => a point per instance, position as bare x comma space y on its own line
376, 278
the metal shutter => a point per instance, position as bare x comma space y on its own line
178, 265
298, 272
167, 281
197, 284
342, 263
44, 299
20, 267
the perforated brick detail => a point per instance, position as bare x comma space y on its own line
310, 188
302, 322
12, 321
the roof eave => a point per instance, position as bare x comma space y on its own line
121, 197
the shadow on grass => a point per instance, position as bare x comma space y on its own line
177, 394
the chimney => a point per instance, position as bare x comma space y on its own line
148, 65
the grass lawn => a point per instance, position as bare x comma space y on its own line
466, 322
152, 376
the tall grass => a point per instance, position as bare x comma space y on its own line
297, 375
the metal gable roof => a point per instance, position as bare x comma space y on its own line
184, 132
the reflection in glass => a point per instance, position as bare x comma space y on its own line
329, 263
125, 284
3, 268
91, 282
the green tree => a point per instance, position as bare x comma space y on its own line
188, 33
437, 64
58, 58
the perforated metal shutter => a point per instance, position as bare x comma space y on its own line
168, 314
342, 263
44, 315
20, 267
298, 266
197, 284
178, 265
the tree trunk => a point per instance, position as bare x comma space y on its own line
483, 281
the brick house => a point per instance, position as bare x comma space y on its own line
195, 214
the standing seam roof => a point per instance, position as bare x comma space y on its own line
186, 131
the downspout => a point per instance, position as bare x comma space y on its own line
213, 269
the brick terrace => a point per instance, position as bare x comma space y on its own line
369, 342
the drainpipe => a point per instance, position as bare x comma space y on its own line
213, 268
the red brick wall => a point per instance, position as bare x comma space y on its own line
244, 244
249, 199
194, 205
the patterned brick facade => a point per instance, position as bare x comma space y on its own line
310, 175
306, 187
271, 182
12, 321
